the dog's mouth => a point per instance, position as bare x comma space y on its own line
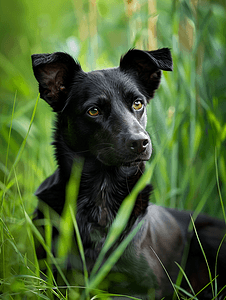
120, 160
133, 163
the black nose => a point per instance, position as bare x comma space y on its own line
139, 145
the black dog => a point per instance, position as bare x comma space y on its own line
101, 116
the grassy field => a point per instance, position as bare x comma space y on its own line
186, 119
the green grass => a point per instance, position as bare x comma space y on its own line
186, 121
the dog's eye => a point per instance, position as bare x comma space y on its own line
137, 105
93, 112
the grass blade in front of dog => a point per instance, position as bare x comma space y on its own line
207, 264
80, 246
66, 225
104, 270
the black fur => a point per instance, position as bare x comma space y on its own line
101, 117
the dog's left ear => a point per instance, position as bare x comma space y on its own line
55, 72
147, 66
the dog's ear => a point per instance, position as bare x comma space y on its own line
147, 66
54, 73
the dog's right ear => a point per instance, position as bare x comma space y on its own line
147, 66
54, 73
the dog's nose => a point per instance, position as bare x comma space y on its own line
139, 145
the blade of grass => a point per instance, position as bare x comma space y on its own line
202, 202
103, 296
52, 279
48, 238
28, 227
174, 173
224, 287
218, 250
96, 280
195, 296
5, 188
67, 220
46, 248
80, 246
223, 210
24, 141
10, 130
66, 223
211, 282
218, 186
175, 290
186, 278
182, 264
200, 244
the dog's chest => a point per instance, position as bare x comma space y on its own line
96, 208
99, 228
101, 200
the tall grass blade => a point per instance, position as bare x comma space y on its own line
80, 246
36, 264
175, 290
66, 223
10, 130
186, 278
106, 296
207, 264
210, 283
218, 250
19, 154
46, 248
5, 180
104, 270
218, 186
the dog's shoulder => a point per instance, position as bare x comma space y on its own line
52, 191
160, 230
159, 243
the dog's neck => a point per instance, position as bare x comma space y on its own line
107, 186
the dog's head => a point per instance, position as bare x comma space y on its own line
103, 113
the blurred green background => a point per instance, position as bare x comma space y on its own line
187, 116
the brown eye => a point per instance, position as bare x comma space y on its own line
93, 112
137, 105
